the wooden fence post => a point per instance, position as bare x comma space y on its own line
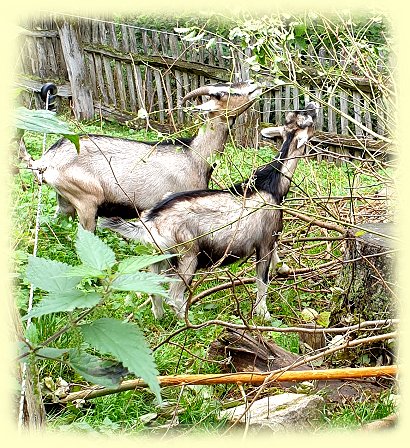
77, 72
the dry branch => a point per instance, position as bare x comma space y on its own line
250, 280
239, 378
317, 222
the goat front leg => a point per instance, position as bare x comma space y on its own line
263, 261
185, 270
87, 212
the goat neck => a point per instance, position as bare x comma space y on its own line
298, 129
211, 138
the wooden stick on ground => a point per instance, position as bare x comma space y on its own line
239, 378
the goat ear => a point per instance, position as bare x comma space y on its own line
273, 131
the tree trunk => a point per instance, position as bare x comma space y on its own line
367, 281
29, 403
77, 72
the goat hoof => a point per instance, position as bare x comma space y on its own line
283, 271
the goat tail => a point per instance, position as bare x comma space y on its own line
131, 230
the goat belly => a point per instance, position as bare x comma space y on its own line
209, 256
112, 209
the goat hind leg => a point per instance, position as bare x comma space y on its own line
186, 269
157, 301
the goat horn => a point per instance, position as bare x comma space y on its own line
204, 90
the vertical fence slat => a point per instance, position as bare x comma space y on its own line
101, 91
160, 95
148, 74
295, 91
344, 122
380, 116
82, 99
287, 99
319, 121
118, 72
331, 116
357, 113
129, 70
139, 84
266, 106
173, 43
278, 106
107, 65
166, 49
367, 116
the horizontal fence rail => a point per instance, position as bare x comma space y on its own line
133, 72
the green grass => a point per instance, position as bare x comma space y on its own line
187, 351
358, 412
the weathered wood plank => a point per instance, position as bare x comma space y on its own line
319, 121
367, 116
278, 106
80, 86
125, 44
357, 112
295, 91
91, 70
344, 122
148, 74
102, 93
51, 57
63, 90
331, 115
196, 68
118, 69
160, 96
173, 43
266, 106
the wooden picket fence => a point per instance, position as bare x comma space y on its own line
131, 69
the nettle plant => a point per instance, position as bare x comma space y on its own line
77, 291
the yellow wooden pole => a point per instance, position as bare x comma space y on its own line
240, 377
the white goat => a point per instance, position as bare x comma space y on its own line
118, 177
222, 226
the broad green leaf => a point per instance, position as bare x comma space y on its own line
50, 275
360, 233
323, 319
126, 342
51, 352
309, 314
74, 139
96, 370
134, 264
84, 270
92, 251
64, 301
46, 122
141, 282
